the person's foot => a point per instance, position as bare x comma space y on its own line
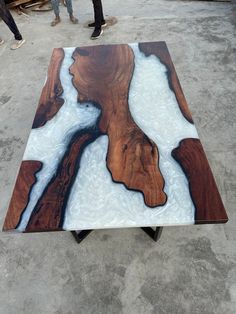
56, 21
73, 19
96, 33
17, 44
92, 25
1, 41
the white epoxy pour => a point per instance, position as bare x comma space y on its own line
49, 142
96, 202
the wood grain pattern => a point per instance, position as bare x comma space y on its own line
102, 75
206, 198
50, 209
20, 197
160, 50
50, 101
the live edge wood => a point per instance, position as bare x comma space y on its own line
160, 50
102, 75
206, 198
48, 213
20, 197
50, 101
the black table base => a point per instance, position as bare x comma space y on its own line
155, 234
80, 235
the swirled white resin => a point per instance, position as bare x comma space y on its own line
96, 201
49, 142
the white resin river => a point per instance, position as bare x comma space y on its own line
95, 200
49, 142
105, 204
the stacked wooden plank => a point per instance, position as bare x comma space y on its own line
24, 5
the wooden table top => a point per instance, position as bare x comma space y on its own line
113, 144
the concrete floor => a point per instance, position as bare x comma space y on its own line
192, 269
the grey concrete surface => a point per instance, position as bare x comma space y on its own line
192, 269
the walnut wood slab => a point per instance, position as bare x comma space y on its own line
25, 181
50, 209
102, 75
206, 198
50, 101
160, 50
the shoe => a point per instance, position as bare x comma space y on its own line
1, 42
17, 44
74, 20
56, 21
92, 25
96, 33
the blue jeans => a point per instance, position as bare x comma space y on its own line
55, 6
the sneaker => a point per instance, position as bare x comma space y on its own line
17, 44
92, 25
96, 33
1, 42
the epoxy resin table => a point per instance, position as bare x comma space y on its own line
112, 145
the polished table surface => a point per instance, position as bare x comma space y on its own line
113, 144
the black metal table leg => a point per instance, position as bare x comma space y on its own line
80, 235
154, 234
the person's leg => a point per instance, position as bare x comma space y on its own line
8, 19
55, 6
73, 19
99, 19
98, 13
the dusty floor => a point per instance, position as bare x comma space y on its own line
192, 269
